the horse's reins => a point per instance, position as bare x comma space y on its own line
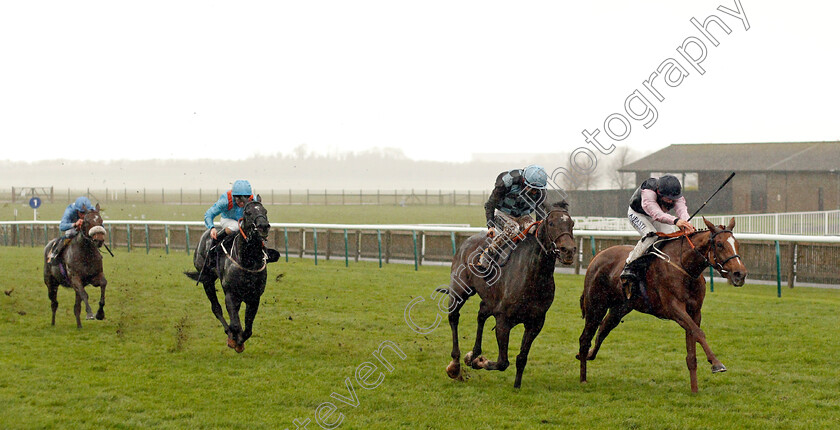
245, 237
710, 253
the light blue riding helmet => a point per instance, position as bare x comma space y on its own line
535, 177
241, 188
82, 204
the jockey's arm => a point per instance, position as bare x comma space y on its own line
496, 196
652, 208
68, 220
214, 211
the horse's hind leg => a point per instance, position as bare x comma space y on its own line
52, 292
607, 325
454, 367
532, 330
483, 313
215, 306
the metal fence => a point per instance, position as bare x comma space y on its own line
813, 259
287, 196
826, 223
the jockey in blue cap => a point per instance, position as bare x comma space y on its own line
70, 224
229, 206
516, 195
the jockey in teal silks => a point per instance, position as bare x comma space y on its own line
70, 224
648, 212
229, 206
516, 195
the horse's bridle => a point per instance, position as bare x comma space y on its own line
712, 252
554, 251
253, 224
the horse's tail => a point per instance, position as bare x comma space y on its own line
442, 290
583, 305
192, 275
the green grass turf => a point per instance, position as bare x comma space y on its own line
349, 214
160, 360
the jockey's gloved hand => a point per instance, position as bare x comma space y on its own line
685, 225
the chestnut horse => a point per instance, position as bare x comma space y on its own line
80, 264
672, 288
518, 293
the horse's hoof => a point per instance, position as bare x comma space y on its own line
100, 316
231, 343
468, 358
719, 369
480, 363
239, 348
454, 370
90, 317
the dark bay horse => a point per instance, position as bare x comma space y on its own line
672, 289
241, 268
518, 293
80, 264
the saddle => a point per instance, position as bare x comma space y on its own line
502, 254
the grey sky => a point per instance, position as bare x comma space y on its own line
439, 79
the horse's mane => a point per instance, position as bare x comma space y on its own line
561, 205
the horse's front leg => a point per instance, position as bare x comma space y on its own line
717, 366
484, 312
235, 336
693, 335
251, 309
502, 338
101, 282
532, 330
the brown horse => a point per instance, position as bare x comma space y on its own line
672, 288
80, 264
518, 293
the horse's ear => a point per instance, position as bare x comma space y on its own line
712, 227
731, 224
97, 207
258, 199
562, 204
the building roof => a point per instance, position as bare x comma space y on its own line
742, 157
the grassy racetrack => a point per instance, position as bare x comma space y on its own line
159, 359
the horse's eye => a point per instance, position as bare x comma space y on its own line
550, 224
719, 246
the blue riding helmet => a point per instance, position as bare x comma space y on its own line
241, 188
82, 204
535, 177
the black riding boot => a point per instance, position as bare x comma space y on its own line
213, 252
629, 279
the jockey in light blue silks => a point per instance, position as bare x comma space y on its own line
516, 195
70, 224
229, 206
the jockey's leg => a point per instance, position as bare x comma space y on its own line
228, 226
506, 229
645, 226
61, 244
